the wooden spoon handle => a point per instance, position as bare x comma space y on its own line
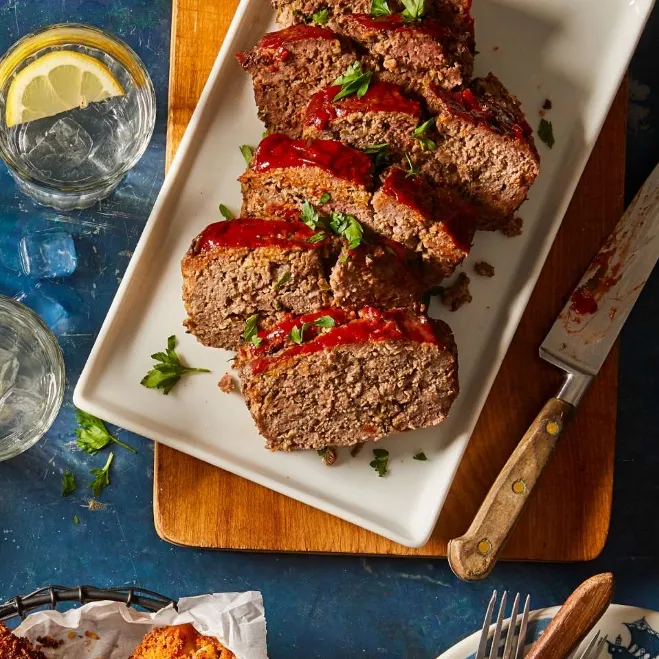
575, 619
473, 555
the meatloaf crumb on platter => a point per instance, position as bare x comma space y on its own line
382, 157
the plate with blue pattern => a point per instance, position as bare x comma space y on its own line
631, 633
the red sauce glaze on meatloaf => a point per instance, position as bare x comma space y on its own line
457, 216
277, 41
280, 151
371, 325
254, 232
396, 23
467, 106
380, 97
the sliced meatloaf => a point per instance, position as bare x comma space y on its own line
486, 146
381, 273
435, 223
384, 115
242, 267
364, 377
413, 54
288, 67
284, 173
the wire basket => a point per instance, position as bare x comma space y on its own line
51, 596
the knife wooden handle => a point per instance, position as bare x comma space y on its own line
575, 619
473, 555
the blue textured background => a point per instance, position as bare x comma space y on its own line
317, 607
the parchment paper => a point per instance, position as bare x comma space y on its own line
112, 631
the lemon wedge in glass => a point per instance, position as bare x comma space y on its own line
59, 81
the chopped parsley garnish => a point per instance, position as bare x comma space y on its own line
380, 8
347, 226
411, 169
226, 213
248, 153
101, 477
169, 369
414, 9
324, 198
282, 280
296, 335
317, 237
381, 157
353, 81
250, 333
321, 16
68, 483
76, 519
420, 456
420, 132
381, 461
546, 132
93, 435
310, 216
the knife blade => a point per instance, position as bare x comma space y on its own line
578, 343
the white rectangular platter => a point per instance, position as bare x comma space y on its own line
574, 53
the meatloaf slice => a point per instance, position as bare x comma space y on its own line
242, 267
361, 379
486, 146
413, 54
435, 223
384, 115
288, 67
381, 273
284, 173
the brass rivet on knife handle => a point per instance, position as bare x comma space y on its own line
506, 499
575, 619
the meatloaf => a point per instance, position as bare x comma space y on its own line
242, 267
380, 273
180, 642
366, 376
384, 115
17, 647
435, 223
288, 67
485, 146
413, 54
284, 173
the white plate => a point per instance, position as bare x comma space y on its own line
622, 625
574, 53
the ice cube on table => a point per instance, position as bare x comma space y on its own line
47, 254
65, 145
47, 308
8, 371
9, 257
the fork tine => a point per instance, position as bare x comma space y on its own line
521, 640
482, 646
496, 639
594, 647
511, 635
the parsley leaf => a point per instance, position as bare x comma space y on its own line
324, 321
296, 335
321, 16
324, 198
101, 477
546, 132
420, 132
317, 237
381, 155
169, 370
68, 483
380, 8
353, 81
76, 519
414, 9
347, 226
420, 456
226, 213
411, 169
248, 153
93, 435
381, 462
310, 216
250, 333
282, 280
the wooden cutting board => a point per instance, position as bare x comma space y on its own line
568, 518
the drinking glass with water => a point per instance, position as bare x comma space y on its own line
77, 111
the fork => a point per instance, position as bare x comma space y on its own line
593, 649
514, 646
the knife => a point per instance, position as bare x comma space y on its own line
578, 343
575, 619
